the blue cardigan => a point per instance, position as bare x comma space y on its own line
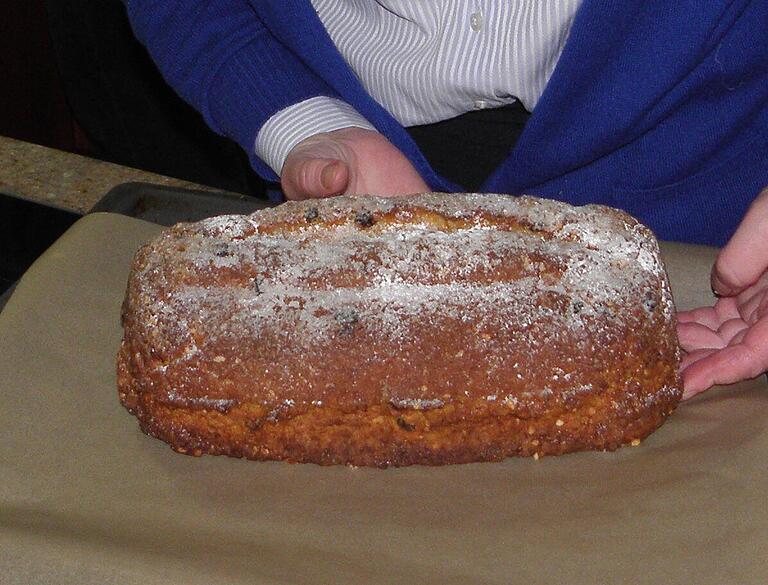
658, 107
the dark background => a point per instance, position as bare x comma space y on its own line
73, 77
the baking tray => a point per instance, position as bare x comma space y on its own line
169, 205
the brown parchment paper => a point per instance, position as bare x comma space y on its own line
85, 498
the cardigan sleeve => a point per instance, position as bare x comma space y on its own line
222, 60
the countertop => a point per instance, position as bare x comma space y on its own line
65, 180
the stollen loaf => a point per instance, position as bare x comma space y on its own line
429, 329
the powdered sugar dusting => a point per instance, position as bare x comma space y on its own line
318, 272
416, 403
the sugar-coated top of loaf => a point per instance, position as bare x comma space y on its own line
304, 274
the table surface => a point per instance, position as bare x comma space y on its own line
65, 180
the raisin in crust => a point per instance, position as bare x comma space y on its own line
429, 329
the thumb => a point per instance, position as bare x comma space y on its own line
745, 257
306, 177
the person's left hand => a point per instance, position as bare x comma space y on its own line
728, 342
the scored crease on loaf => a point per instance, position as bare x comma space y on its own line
428, 329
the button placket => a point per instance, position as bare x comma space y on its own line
476, 23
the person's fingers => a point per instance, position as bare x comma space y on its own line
745, 257
703, 315
694, 356
746, 357
334, 178
728, 308
730, 329
695, 336
712, 317
739, 337
754, 305
305, 177
725, 366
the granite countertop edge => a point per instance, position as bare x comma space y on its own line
68, 181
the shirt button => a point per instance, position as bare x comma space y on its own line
476, 21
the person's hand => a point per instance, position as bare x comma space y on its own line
348, 161
728, 342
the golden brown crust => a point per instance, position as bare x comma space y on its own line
430, 329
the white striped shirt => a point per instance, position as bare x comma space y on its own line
429, 60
